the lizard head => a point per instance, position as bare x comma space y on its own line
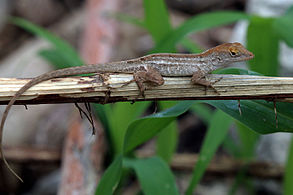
228, 53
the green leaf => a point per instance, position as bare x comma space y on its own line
103, 111
145, 128
217, 131
167, 139
203, 112
111, 178
231, 146
263, 41
156, 19
284, 27
288, 178
248, 140
129, 19
190, 46
119, 121
259, 115
195, 24
154, 176
62, 47
54, 57
289, 12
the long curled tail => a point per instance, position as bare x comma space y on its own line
47, 76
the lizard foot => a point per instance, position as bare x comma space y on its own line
201, 80
150, 75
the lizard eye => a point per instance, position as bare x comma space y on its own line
233, 52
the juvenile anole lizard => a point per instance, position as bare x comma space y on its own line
149, 69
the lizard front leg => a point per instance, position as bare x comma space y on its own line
150, 75
199, 77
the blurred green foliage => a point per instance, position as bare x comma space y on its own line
125, 132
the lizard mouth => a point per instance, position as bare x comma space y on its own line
250, 55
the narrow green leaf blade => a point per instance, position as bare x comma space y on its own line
263, 41
198, 23
202, 111
288, 187
119, 121
248, 140
55, 58
154, 176
289, 12
129, 19
104, 113
190, 46
217, 131
231, 146
167, 139
60, 45
156, 19
111, 178
284, 27
145, 128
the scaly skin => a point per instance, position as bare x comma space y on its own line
149, 68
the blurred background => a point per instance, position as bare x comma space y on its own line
51, 146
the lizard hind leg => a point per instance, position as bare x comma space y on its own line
199, 77
150, 75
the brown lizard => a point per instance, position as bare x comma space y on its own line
149, 69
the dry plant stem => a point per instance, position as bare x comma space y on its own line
89, 89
